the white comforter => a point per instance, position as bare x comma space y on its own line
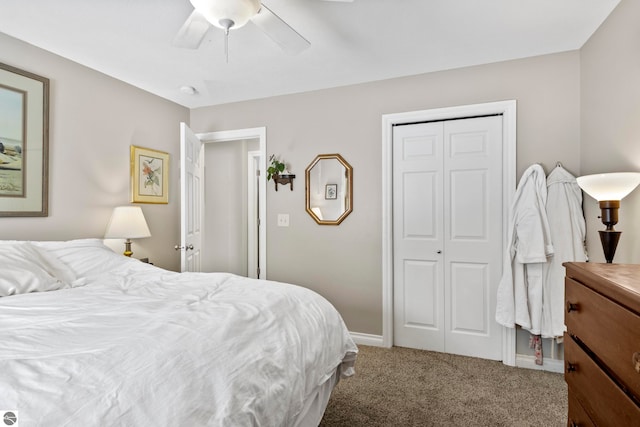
141, 346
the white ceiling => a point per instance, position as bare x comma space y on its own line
351, 43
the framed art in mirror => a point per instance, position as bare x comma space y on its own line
149, 175
24, 143
331, 191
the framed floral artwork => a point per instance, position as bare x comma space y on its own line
24, 143
149, 175
331, 191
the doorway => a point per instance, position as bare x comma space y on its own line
193, 210
461, 272
230, 206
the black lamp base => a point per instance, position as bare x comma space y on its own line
609, 240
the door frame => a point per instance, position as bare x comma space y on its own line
253, 227
508, 111
259, 133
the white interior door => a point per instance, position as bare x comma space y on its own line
448, 235
418, 236
191, 199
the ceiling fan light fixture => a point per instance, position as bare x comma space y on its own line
220, 12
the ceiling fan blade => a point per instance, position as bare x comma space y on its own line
280, 32
192, 31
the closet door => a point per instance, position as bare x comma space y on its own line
447, 207
418, 236
473, 235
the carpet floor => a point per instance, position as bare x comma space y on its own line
406, 387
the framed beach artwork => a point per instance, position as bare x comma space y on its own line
24, 143
149, 175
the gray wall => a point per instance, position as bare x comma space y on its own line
93, 121
343, 263
610, 121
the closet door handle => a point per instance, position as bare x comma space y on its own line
572, 307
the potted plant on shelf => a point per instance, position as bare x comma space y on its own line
275, 171
275, 168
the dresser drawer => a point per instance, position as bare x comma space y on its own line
578, 417
608, 330
600, 397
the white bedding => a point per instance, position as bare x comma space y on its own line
134, 345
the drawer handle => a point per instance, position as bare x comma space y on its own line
571, 367
636, 362
572, 307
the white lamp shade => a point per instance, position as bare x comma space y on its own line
609, 186
238, 11
127, 222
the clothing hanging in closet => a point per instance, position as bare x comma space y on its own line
546, 229
519, 296
568, 233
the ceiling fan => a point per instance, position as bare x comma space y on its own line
233, 14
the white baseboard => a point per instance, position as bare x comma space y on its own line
367, 339
550, 365
522, 360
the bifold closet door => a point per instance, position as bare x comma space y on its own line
448, 229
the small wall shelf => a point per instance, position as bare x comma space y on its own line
283, 180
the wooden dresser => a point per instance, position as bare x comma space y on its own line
602, 344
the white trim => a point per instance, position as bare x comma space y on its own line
253, 166
259, 133
508, 111
509, 345
529, 362
367, 339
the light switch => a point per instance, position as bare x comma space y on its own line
283, 220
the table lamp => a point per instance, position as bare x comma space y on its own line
608, 189
127, 222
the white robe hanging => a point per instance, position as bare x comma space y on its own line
519, 297
567, 224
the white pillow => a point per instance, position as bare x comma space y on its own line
58, 269
85, 257
23, 269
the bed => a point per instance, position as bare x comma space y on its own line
90, 337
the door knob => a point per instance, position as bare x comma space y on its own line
438, 251
178, 247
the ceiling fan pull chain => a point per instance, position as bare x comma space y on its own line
226, 24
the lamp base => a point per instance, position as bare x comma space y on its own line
127, 248
609, 240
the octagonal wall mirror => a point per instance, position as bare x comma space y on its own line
329, 189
